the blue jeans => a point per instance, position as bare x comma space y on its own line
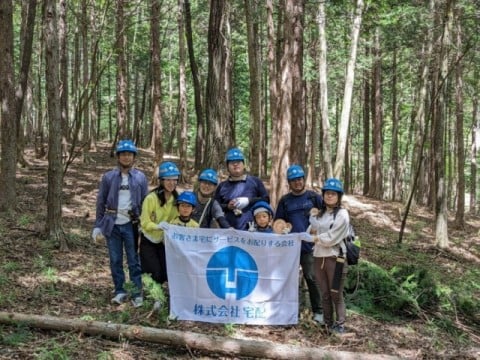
122, 237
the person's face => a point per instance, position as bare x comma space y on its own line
236, 167
207, 188
262, 219
185, 210
125, 159
297, 185
169, 185
330, 198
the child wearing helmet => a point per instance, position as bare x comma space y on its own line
208, 212
330, 227
262, 215
158, 206
186, 203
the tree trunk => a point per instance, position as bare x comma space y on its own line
376, 183
8, 162
255, 94
282, 129
366, 128
441, 216
322, 73
294, 19
62, 40
122, 76
347, 95
28, 25
219, 107
394, 157
182, 94
276, 187
459, 133
474, 148
55, 170
157, 132
197, 90
184, 339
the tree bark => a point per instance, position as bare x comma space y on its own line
255, 94
219, 107
186, 339
197, 89
294, 20
441, 216
122, 77
182, 94
55, 170
376, 180
157, 132
459, 133
347, 95
322, 72
8, 162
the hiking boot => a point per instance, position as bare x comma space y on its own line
319, 319
338, 329
157, 305
119, 299
137, 302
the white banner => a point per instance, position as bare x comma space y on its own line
232, 276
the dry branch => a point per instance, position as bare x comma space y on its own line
186, 339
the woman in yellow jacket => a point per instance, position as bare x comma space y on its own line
158, 206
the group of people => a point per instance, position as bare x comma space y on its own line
126, 211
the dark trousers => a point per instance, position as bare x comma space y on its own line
153, 260
306, 262
325, 271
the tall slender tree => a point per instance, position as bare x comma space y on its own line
157, 132
219, 107
55, 170
348, 90
8, 162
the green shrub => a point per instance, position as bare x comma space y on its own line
376, 293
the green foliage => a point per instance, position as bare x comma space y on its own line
378, 293
20, 335
52, 350
229, 329
418, 283
153, 290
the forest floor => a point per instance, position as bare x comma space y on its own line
36, 278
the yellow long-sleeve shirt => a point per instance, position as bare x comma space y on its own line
153, 214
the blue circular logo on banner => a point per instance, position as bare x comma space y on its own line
232, 270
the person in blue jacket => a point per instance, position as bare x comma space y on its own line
239, 192
119, 201
294, 208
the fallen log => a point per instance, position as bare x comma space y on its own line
202, 342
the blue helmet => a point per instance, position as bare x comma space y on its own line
234, 154
126, 146
168, 169
187, 197
262, 206
295, 172
333, 184
209, 175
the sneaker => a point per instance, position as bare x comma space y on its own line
319, 319
119, 298
137, 302
157, 306
337, 329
